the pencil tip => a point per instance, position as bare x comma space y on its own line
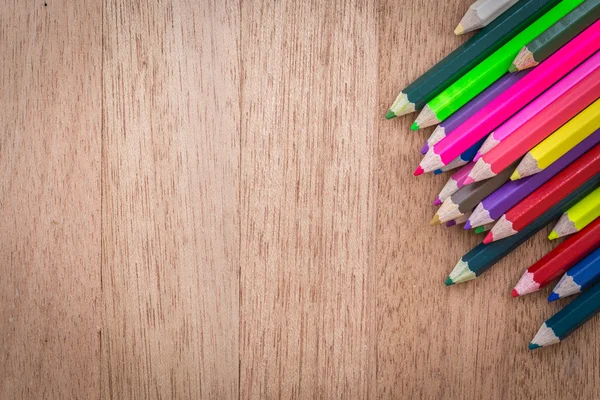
459, 30
437, 172
553, 235
515, 175
437, 201
435, 220
477, 156
533, 346
512, 68
448, 282
418, 171
468, 180
390, 114
467, 225
489, 238
553, 297
414, 126
480, 229
425, 148
514, 293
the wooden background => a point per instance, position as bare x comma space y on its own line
201, 199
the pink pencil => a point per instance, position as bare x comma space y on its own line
539, 104
512, 100
454, 183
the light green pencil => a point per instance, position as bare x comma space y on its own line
578, 217
487, 71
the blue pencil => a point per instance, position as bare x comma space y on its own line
583, 275
567, 320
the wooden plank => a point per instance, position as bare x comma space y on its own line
170, 210
307, 210
467, 341
50, 106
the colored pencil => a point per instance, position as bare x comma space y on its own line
512, 100
583, 275
559, 260
446, 127
551, 192
569, 319
483, 256
453, 184
460, 220
484, 228
488, 71
481, 13
465, 57
578, 216
511, 193
542, 125
557, 35
590, 67
464, 200
463, 159
561, 141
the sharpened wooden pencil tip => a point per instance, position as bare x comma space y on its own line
459, 30
512, 68
418, 171
553, 235
449, 281
435, 220
390, 114
414, 126
514, 293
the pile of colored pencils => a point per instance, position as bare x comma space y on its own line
517, 111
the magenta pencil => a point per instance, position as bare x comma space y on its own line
542, 102
447, 126
512, 100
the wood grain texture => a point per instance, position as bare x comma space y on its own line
203, 200
50, 75
307, 225
170, 212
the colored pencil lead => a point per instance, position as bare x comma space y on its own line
526, 285
459, 30
418, 171
461, 273
414, 126
426, 118
435, 220
389, 115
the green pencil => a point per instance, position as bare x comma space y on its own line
461, 60
483, 256
569, 319
557, 35
487, 71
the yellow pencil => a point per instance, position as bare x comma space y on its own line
578, 217
561, 141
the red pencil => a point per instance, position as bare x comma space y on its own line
559, 260
536, 129
546, 196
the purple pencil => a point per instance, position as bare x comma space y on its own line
512, 192
456, 119
454, 183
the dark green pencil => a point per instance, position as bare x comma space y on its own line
483, 256
569, 319
471, 53
557, 35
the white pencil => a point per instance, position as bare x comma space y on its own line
481, 13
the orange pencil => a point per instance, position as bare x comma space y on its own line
537, 128
587, 167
